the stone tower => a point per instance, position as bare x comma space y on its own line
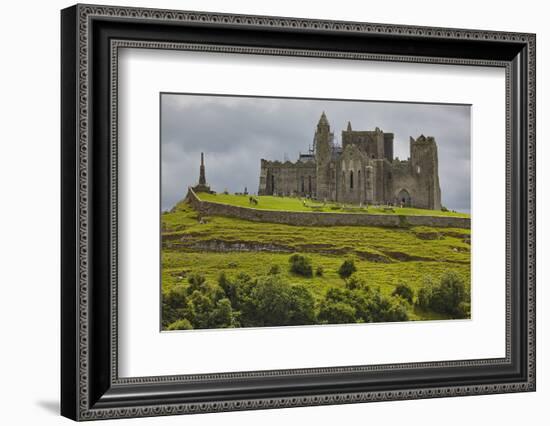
425, 169
323, 155
202, 176
202, 186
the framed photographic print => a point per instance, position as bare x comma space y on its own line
263, 212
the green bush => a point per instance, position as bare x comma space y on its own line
360, 304
199, 305
174, 303
355, 283
333, 312
229, 288
319, 271
404, 291
449, 297
347, 269
301, 308
274, 270
196, 282
222, 315
301, 265
271, 301
181, 324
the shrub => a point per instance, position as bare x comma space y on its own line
270, 301
301, 308
444, 209
222, 315
424, 296
199, 309
319, 271
181, 324
449, 297
404, 291
361, 304
333, 312
174, 303
274, 270
355, 283
347, 269
200, 304
196, 282
229, 288
301, 265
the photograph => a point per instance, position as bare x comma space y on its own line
299, 212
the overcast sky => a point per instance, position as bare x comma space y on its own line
236, 132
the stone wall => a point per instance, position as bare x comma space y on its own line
208, 208
288, 178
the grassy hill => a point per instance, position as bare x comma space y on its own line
269, 202
384, 257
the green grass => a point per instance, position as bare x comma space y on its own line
384, 256
269, 202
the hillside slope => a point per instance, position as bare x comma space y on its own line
384, 257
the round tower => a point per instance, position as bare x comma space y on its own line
323, 155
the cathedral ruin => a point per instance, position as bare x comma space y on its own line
360, 171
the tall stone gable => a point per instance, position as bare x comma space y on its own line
360, 171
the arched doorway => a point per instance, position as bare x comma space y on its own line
404, 198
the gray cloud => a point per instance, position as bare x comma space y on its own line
236, 132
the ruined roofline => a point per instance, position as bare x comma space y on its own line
367, 132
422, 139
288, 163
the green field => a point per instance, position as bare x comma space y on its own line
384, 257
269, 202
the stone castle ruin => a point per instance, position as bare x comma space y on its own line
360, 171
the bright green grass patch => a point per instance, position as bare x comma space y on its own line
182, 229
269, 202
178, 265
384, 257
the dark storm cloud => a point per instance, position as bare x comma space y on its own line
235, 133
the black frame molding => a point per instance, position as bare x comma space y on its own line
91, 37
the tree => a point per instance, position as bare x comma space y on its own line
449, 297
301, 306
333, 312
355, 283
275, 269
174, 303
347, 269
229, 288
181, 324
199, 309
360, 304
222, 315
196, 282
271, 301
404, 291
301, 265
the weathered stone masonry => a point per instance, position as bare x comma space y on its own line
208, 208
362, 170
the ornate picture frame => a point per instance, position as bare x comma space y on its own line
91, 37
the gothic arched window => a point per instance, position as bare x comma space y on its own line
351, 179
